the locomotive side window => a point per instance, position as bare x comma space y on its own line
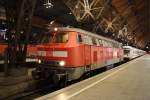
114, 45
79, 38
94, 41
87, 40
110, 44
90, 40
104, 43
97, 42
100, 42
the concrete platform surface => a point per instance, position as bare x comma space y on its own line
130, 81
12, 85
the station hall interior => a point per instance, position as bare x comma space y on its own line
74, 49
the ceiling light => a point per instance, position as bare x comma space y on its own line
76, 6
52, 22
48, 4
70, 13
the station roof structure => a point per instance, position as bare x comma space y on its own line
127, 21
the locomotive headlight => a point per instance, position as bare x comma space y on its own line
62, 63
39, 61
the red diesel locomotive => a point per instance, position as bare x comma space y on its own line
73, 52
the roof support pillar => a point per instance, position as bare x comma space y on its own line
18, 18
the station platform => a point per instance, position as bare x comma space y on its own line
16, 83
129, 81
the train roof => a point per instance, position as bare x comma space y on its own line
83, 32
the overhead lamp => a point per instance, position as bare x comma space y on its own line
70, 13
52, 22
76, 6
48, 4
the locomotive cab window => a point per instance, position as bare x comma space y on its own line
55, 38
60, 38
46, 38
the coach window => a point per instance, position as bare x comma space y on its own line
61, 37
79, 38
